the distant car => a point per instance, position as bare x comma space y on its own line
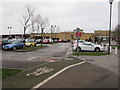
17, 44
4, 42
10, 41
55, 40
45, 41
30, 43
88, 46
64, 40
38, 41
59, 40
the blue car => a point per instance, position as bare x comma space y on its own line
17, 44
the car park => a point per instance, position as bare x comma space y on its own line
30, 43
88, 46
17, 44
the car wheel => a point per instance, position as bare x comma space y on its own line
23, 46
31, 45
78, 49
14, 48
97, 49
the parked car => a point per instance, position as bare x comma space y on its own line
45, 41
17, 44
30, 43
38, 41
88, 46
65, 41
4, 42
59, 40
10, 41
80, 41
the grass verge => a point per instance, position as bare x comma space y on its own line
89, 53
8, 72
23, 81
54, 42
113, 47
25, 49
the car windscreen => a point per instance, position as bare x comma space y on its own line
29, 41
4, 41
16, 42
81, 41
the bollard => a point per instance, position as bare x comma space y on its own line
116, 50
106, 48
110, 49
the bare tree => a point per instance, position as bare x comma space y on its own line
41, 24
26, 20
116, 34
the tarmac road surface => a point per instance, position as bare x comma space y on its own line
26, 60
84, 76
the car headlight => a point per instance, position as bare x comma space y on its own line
3, 46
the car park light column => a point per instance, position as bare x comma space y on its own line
78, 30
51, 33
42, 36
9, 31
111, 2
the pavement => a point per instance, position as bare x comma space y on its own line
84, 76
109, 62
97, 72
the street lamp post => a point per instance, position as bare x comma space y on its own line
42, 36
111, 2
52, 31
78, 30
9, 31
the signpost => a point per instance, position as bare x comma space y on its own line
78, 35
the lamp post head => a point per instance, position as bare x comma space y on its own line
111, 1
78, 29
9, 27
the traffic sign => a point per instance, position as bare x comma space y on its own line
78, 34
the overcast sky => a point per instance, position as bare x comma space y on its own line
88, 16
